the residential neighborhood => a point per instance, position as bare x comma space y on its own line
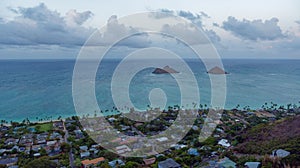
65, 143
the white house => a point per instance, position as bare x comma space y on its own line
224, 142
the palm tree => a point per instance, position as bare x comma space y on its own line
201, 106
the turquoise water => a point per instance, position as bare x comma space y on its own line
40, 88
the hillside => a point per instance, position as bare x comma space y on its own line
263, 138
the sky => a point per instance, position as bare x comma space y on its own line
55, 29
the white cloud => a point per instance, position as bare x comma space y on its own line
73, 17
41, 26
38, 25
195, 18
115, 31
254, 30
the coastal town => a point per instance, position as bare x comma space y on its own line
266, 137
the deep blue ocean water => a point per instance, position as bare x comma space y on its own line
40, 88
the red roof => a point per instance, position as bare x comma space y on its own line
94, 161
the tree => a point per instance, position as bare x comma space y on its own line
41, 163
104, 165
210, 141
65, 147
43, 152
130, 164
77, 162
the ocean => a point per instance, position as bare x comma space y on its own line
38, 89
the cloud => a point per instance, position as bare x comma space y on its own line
195, 18
115, 30
204, 14
254, 30
74, 17
216, 25
41, 26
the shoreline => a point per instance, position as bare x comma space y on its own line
238, 107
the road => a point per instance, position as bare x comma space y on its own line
70, 152
137, 131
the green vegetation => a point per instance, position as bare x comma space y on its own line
41, 163
44, 127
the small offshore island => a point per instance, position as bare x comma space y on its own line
267, 137
217, 70
165, 70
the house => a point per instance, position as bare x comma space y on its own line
14, 166
122, 149
84, 154
195, 128
212, 163
11, 141
4, 128
9, 161
128, 140
31, 129
252, 164
162, 139
83, 148
22, 149
116, 163
159, 155
193, 151
226, 163
149, 161
95, 146
78, 134
205, 148
2, 151
58, 125
90, 163
36, 148
224, 143
94, 150
220, 130
111, 119
168, 163
280, 153
37, 155
41, 138
178, 146
55, 135
51, 143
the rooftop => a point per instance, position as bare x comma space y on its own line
93, 161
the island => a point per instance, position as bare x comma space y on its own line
166, 69
217, 70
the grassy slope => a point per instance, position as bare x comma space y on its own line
264, 138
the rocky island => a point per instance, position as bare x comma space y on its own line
217, 70
164, 70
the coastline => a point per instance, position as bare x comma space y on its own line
47, 119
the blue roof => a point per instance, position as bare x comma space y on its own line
168, 163
226, 162
114, 162
193, 151
280, 153
252, 164
9, 161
